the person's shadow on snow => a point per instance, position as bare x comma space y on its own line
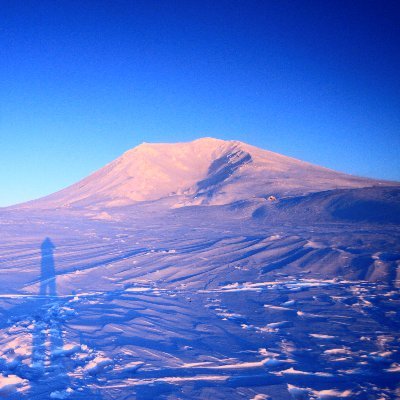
47, 339
47, 269
48, 373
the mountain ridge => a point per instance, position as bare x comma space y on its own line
206, 171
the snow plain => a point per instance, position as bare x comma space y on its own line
234, 296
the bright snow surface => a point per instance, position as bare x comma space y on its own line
205, 171
291, 297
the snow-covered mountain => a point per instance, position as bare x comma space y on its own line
112, 289
205, 171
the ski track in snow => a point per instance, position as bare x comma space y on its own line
142, 312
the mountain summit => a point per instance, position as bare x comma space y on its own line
206, 171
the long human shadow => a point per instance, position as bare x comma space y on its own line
48, 371
47, 269
47, 333
48, 374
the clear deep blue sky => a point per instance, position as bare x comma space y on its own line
83, 81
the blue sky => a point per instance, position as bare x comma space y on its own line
83, 81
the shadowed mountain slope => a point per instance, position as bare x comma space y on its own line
368, 205
206, 171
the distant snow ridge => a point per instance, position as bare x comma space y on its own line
206, 171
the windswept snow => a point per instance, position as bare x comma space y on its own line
131, 317
105, 294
